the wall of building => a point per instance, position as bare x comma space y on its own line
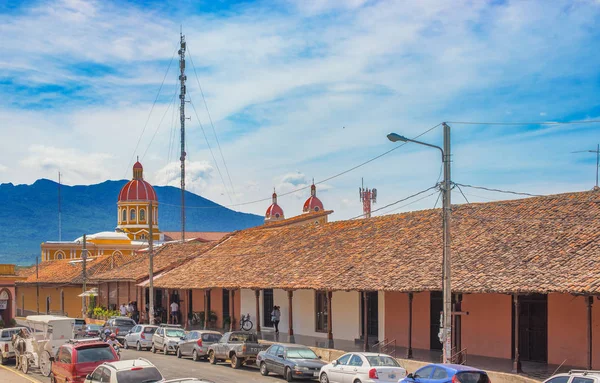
396, 319
487, 330
567, 330
72, 303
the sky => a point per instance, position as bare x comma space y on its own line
299, 90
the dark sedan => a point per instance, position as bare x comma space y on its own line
90, 331
290, 360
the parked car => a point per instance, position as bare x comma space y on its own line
77, 358
188, 380
365, 367
290, 360
240, 347
126, 371
166, 338
90, 331
140, 336
6, 348
78, 328
195, 344
120, 326
448, 372
576, 376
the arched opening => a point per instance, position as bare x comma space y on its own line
47, 305
59, 255
142, 215
132, 215
6, 306
124, 216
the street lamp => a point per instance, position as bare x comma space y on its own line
446, 209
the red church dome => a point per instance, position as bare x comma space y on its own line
312, 203
137, 189
274, 212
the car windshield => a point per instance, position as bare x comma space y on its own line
93, 327
146, 375
301, 353
10, 332
149, 330
124, 322
472, 377
175, 333
211, 337
382, 361
79, 322
94, 354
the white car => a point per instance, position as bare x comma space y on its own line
140, 337
362, 367
576, 376
125, 371
6, 348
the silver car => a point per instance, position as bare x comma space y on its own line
140, 337
195, 344
166, 338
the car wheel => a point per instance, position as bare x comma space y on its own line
356, 381
211, 358
125, 345
324, 378
153, 349
2, 360
178, 353
52, 378
138, 346
195, 357
263, 369
236, 362
288, 374
165, 350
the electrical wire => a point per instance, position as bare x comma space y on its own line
211, 123
397, 202
499, 190
410, 203
161, 121
525, 123
150, 114
461, 192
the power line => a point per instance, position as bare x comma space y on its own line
413, 202
161, 120
211, 123
461, 192
397, 202
525, 123
150, 114
499, 190
210, 149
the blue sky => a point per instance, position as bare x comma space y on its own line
300, 90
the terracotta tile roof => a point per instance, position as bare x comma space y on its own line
24, 271
542, 244
68, 271
298, 218
168, 256
204, 236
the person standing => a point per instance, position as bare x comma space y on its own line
123, 309
275, 318
174, 312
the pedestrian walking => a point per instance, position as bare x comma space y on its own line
275, 317
174, 312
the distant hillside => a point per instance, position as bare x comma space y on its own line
29, 215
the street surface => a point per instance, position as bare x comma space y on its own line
171, 367
8, 374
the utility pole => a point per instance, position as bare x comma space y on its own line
182, 91
84, 275
59, 212
151, 263
447, 285
597, 151
367, 196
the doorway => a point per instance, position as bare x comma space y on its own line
533, 328
372, 315
47, 305
321, 311
436, 306
226, 312
267, 307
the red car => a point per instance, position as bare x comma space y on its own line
78, 358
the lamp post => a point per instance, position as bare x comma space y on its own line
446, 215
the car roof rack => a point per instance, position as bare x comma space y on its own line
84, 340
584, 372
169, 325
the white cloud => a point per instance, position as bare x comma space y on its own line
198, 175
3, 168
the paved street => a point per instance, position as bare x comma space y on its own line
171, 367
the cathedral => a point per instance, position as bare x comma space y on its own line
137, 204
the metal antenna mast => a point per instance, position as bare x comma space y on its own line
597, 151
182, 78
59, 212
367, 196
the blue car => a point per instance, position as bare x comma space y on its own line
447, 373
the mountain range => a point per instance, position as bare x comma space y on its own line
29, 214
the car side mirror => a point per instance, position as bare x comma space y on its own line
410, 376
88, 376
335, 362
319, 356
51, 359
280, 356
182, 337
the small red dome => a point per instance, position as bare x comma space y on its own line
312, 203
274, 212
137, 190
137, 165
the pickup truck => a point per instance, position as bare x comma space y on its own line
120, 326
6, 348
239, 347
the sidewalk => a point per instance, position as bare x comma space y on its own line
9, 374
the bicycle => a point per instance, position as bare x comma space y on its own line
245, 323
196, 318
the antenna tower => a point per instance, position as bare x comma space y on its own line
59, 212
597, 151
182, 78
367, 196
